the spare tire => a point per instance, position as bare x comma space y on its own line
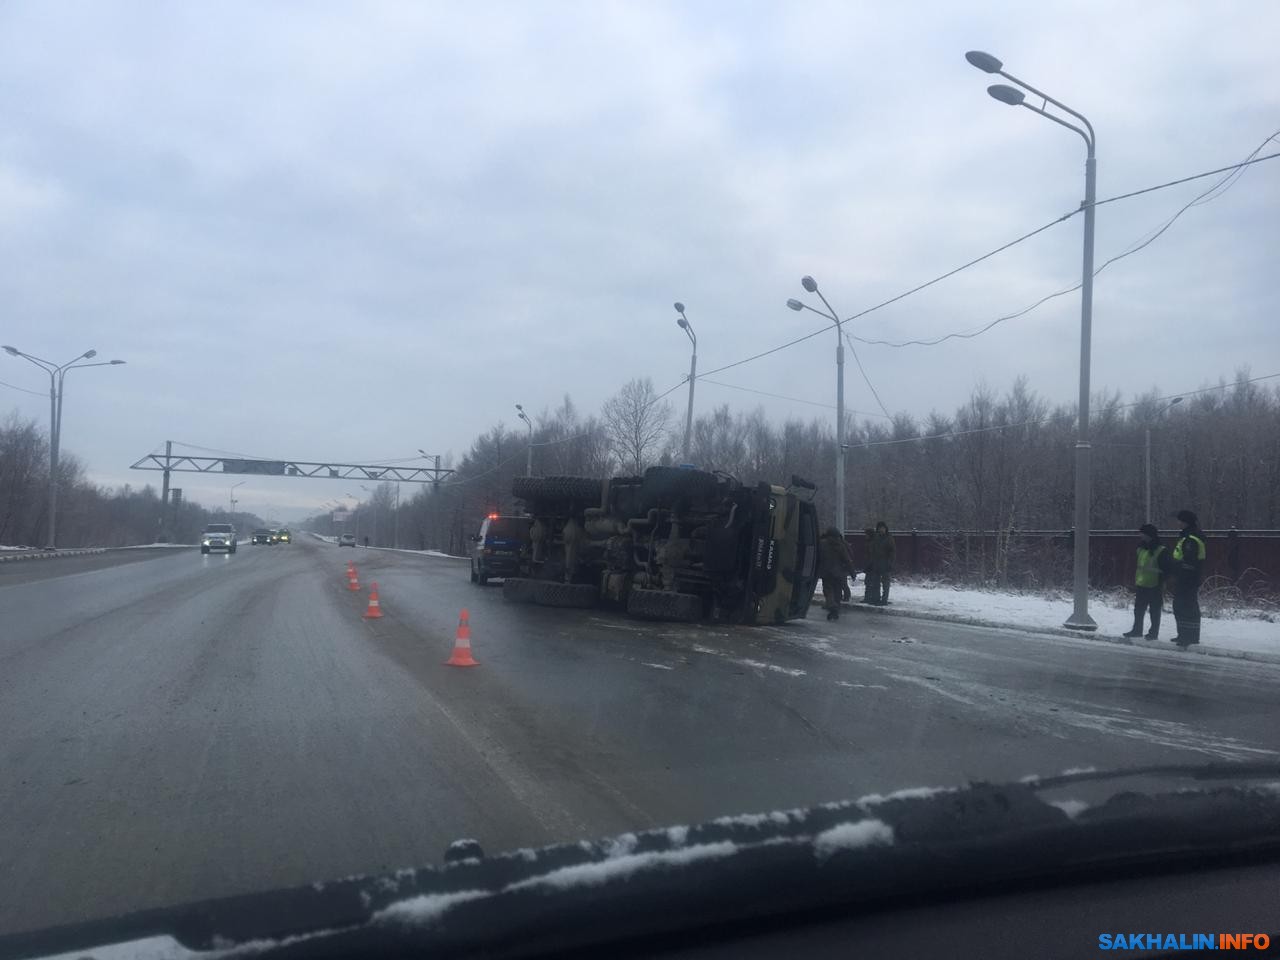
664, 605
550, 593
558, 489
518, 590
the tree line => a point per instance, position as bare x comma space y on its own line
1001, 463
88, 515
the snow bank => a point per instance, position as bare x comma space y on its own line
1038, 612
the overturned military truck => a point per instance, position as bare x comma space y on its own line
675, 544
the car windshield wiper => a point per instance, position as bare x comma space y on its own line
923, 845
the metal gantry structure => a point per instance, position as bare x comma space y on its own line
168, 463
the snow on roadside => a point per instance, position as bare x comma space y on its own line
1039, 612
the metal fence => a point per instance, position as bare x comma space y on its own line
1026, 557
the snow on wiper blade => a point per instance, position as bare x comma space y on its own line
1223, 770
929, 844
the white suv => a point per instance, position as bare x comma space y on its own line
218, 536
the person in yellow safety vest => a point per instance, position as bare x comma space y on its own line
1187, 565
1149, 591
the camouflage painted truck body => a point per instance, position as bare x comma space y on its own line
675, 544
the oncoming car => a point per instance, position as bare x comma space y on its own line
218, 536
261, 535
284, 536
347, 540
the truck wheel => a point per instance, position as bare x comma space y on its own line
204, 549
518, 590
557, 489
663, 485
483, 577
549, 593
664, 605
474, 578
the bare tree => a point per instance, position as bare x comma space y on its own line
637, 424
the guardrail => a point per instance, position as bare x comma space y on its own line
9, 555
1250, 555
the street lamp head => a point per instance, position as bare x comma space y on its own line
809, 284
11, 351
679, 307
89, 354
984, 61
1175, 401
795, 304
682, 322
1007, 94
115, 363
520, 408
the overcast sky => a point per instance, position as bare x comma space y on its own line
347, 231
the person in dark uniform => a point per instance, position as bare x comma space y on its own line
1148, 582
835, 564
882, 557
870, 582
1186, 562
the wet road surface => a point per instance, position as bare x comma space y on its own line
183, 726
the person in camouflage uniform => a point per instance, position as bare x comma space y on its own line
835, 565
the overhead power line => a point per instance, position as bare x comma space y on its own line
779, 396
1235, 167
1235, 172
34, 393
916, 289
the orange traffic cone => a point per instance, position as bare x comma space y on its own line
351, 569
462, 644
375, 608
353, 580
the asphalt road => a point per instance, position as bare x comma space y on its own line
183, 726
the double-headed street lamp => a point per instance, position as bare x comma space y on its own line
57, 375
232, 494
1079, 619
1147, 448
687, 327
811, 286
528, 459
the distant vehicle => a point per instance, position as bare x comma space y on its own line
347, 540
284, 536
496, 549
261, 535
676, 544
218, 536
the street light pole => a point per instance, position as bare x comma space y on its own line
687, 327
1079, 619
1147, 450
528, 457
57, 378
811, 286
232, 494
